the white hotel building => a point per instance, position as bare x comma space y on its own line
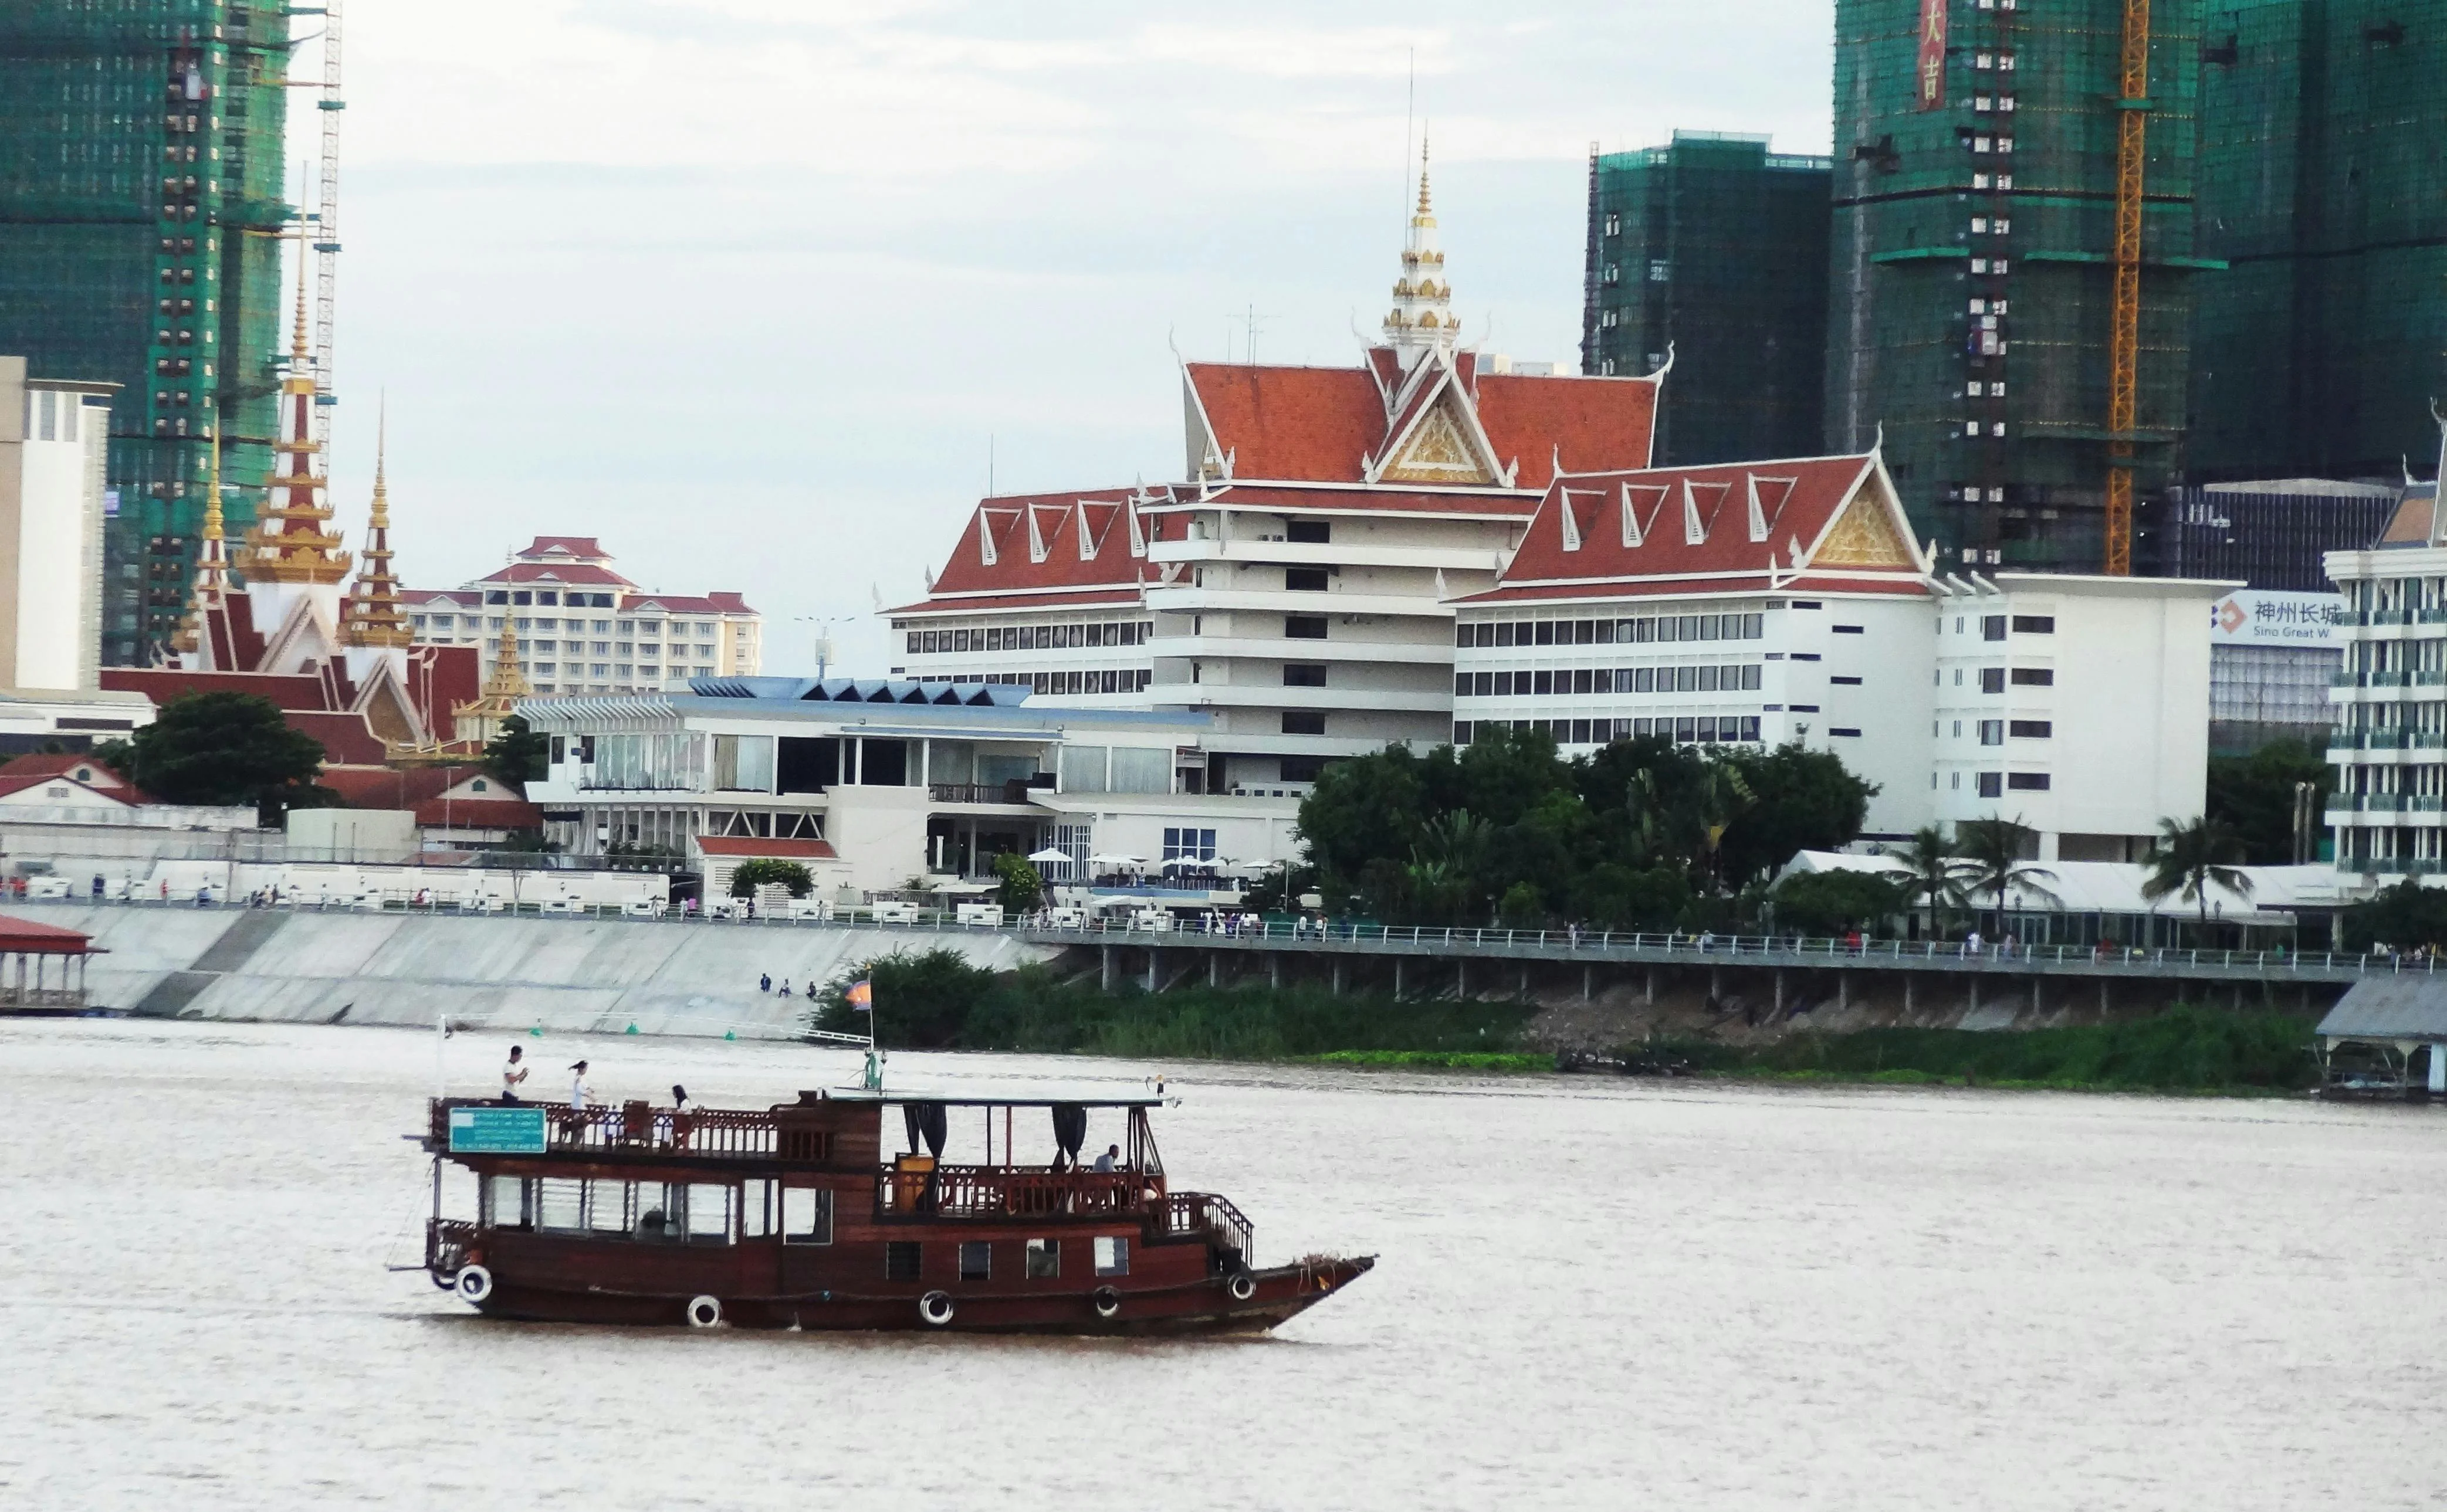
2389, 810
1785, 601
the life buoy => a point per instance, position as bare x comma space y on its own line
1107, 1300
935, 1307
475, 1283
1244, 1286
704, 1312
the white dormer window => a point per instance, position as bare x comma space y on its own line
1695, 530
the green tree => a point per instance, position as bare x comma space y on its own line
764, 871
518, 755
2190, 857
2406, 917
2255, 795
1800, 800
1998, 851
1832, 902
1359, 809
1522, 908
223, 749
1021, 888
1934, 875
923, 1000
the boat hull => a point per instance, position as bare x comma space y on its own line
1208, 1307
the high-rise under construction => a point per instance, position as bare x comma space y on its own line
1975, 299
1711, 250
141, 216
2317, 350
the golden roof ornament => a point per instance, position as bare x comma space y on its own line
370, 616
290, 542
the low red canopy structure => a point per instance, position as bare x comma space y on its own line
28, 980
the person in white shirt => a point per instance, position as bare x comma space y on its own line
577, 1087
514, 1074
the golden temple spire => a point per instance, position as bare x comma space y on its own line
211, 563
370, 616
480, 719
1424, 211
291, 541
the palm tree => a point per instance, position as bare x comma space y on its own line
1930, 873
1723, 794
2189, 856
1993, 848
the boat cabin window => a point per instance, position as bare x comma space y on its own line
607, 1208
807, 1216
1112, 1256
977, 1261
901, 1260
756, 1209
560, 1206
1044, 1259
709, 1214
507, 1202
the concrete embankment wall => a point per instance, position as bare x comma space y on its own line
566, 975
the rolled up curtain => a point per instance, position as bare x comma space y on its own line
1070, 1129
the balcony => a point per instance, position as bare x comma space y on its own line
1015, 791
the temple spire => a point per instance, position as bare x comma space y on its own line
291, 541
1422, 321
370, 616
212, 564
479, 720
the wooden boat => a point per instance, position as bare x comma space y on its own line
793, 1217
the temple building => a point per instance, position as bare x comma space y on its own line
582, 628
277, 617
1296, 585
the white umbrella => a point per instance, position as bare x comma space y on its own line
1118, 862
1049, 854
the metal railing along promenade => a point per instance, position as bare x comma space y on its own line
1594, 947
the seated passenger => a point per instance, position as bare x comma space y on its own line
1110, 1159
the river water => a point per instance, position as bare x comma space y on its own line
1592, 1294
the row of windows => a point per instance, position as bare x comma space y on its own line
1607, 680
1614, 631
1993, 679
516, 597
1186, 844
1041, 1259
659, 1212
648, 628
1993, 627
1995, 784
1690, 730
1993, 732
1031, 637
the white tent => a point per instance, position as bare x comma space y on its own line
1048, 856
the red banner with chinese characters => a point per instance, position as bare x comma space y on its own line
1930, 69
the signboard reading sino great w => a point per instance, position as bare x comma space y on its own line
2254, 619
1929, 69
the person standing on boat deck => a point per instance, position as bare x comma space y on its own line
514, 1073
1109, 1160
577, 1087
764, 983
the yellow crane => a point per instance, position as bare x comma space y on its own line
2124, 316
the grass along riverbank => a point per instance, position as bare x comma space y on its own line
937, 1001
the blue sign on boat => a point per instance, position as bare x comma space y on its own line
497, 1131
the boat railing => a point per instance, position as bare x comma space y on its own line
638, 1129
1205, 1212
447, 1242
1003, 1191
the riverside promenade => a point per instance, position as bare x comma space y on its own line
607, 973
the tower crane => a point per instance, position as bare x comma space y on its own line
2124, 309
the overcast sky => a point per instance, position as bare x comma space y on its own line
751, 288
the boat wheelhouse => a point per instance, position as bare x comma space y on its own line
795, 1216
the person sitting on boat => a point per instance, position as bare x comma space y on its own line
579, 1091
514, 1072
786, 987
1110, 1159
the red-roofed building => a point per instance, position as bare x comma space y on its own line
583, 627
456, 806
1295, 586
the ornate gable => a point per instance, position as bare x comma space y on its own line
1437, 452
1864, 536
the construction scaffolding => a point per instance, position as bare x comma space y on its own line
141, 167
2321, 189
1712, 249
1973, 315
